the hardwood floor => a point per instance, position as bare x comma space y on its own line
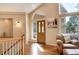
40, 49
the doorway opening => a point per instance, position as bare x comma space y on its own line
36, 28
34, 35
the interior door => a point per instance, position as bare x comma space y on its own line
41, 31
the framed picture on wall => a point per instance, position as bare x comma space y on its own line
52, 23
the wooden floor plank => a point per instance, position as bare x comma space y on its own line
40, 49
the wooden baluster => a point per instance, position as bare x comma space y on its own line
6, 47
3, 47
17, 47
23, 45
9, 48
14, 47
20, 46
0, 48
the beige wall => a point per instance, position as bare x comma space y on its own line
18, 30
6, 26
50, 11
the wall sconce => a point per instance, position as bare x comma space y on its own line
18, 23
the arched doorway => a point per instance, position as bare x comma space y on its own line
36, 35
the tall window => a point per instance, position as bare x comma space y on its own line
70, 24
34, 30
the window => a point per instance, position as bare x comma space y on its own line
39, 27
70, 24
68, 7
42, 26
34, 30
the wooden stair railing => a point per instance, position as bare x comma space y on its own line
12, 46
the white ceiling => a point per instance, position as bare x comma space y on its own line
18, 7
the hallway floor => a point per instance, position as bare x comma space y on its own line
40, 49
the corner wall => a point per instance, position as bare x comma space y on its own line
17, 30
27, 28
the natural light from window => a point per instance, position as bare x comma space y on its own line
67, 19
69, 7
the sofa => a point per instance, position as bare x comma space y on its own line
63, 44
67, 38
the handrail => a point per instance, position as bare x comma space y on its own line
9, 39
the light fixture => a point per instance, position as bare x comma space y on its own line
18, 23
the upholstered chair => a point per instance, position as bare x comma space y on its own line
60, 46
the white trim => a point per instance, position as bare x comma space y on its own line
69, 14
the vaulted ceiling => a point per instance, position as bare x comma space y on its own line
18, 7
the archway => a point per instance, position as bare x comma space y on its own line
34, 25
